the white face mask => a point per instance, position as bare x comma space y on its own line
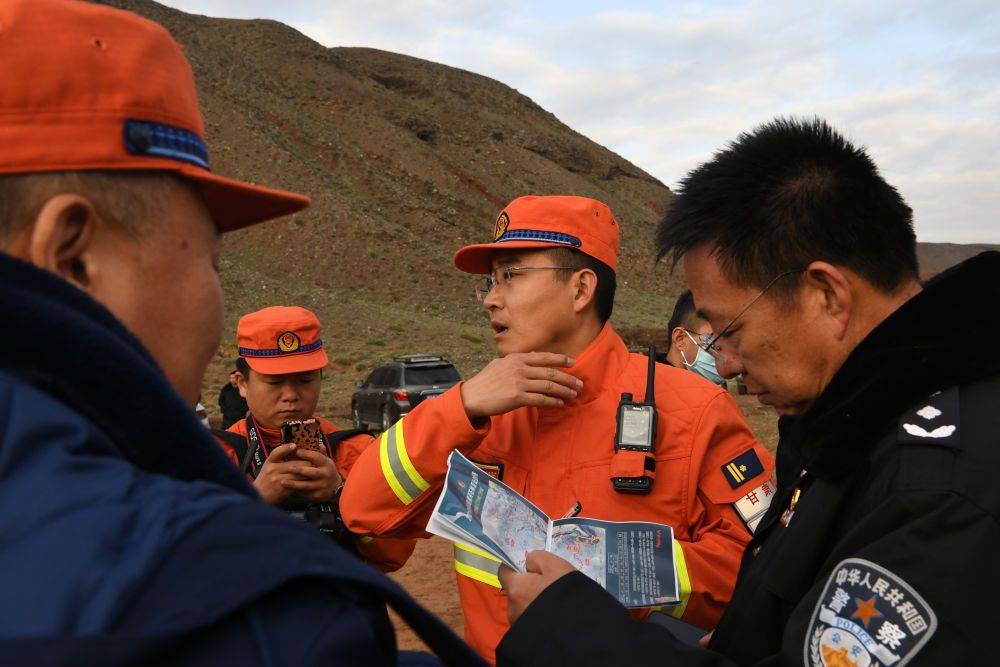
704, 363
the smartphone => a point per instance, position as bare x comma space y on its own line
305, 434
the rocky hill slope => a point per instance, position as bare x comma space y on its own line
406, 161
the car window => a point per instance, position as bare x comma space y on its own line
392, 377
432, 375
373, 378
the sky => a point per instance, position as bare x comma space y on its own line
665, 84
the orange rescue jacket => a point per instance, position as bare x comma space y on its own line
387, 554
558, 456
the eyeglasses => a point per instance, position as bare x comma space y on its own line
490, 281
702, 340
711, 346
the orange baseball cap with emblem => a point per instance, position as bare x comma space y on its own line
548, 222
88, 87
281, 339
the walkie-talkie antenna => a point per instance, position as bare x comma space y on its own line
650, 375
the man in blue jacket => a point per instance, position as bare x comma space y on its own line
127, 535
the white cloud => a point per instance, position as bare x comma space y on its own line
664, 84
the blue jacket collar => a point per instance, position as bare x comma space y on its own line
58, 339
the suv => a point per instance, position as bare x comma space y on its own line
395, 388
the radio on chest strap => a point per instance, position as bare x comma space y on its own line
633, 466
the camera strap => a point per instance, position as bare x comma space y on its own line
257, 452
324, 516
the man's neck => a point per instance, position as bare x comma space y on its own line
582, 337
877, 306
873, 307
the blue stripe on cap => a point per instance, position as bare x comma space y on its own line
160, 140
250, 352
539, 235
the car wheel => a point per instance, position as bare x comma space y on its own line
387, 420
356, 416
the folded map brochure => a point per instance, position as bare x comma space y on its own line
632, 560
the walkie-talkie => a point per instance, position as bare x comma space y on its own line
634, 466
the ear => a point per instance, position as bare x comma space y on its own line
241, 383
62, 237
832, 294
679, 339
584, 287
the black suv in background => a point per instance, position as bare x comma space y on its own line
395, 388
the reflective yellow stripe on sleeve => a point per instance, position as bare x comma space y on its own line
397, 469
683, 580
477, 565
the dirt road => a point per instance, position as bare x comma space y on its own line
429, 576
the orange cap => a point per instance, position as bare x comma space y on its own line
281, 339
548, 222
87, 87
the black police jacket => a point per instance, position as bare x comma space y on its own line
887, 554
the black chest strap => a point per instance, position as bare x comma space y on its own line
247, 450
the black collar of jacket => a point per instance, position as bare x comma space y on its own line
58, 339
902, 361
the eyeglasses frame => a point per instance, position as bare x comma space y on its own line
712, 346
488, 282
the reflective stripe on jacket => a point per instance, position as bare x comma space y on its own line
558, 456
387, 554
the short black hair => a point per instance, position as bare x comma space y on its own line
129, 201
684, 316
791, 192
604, 295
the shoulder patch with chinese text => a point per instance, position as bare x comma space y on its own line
754, 504
867, 615
494, 470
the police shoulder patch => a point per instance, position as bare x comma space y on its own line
933, 421
743, 468
866, 615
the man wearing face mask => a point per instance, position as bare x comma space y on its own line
688, 334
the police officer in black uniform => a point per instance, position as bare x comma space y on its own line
880, 547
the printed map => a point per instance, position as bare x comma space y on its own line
513, 524
583, 546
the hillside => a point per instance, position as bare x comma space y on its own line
406, 161
936, 257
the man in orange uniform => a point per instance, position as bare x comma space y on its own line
279, 373
542, 418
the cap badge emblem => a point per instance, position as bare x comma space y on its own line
501, 225
288, 342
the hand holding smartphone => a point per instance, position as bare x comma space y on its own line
305, 434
